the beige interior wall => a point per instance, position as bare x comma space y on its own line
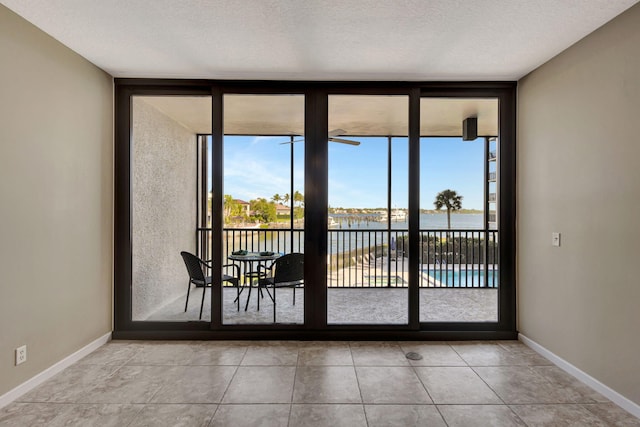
56, 150
164, 175
579, 174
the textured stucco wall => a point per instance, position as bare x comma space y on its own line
164, 170
578, 174
56, 200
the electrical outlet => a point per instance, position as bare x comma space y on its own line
21, 355
555, 239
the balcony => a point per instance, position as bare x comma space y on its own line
367, 277
348, 306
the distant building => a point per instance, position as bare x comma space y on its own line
282, 209
246, 207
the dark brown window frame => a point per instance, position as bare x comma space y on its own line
316, 110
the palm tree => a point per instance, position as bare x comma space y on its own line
285, 198
276, 198
298, 197
449, 199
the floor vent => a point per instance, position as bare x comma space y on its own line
413, 356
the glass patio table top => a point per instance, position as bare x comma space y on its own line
248, 259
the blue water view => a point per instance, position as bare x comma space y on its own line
428, 221
364, 225
462, 278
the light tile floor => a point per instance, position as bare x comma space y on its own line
291, 383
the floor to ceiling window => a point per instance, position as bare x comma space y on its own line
458, 254
164, 204
367, 280
314, 211
263, 206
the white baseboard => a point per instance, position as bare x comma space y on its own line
32, 383
606, 391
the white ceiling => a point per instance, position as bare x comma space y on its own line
319, 39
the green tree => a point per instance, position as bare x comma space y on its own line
228, 206
263, 210
298, 197
449, 199
285, 198
232, 209
276, 198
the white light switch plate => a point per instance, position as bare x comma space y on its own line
555, 239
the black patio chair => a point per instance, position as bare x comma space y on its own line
200, 279
285, 272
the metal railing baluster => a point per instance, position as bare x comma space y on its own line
475, 249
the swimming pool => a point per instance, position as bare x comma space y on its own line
463, 278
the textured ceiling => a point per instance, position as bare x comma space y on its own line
319, 39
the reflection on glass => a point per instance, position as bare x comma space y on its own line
367, 267
458, 260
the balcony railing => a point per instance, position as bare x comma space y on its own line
379, 258
252, 240
367, 258
459, 258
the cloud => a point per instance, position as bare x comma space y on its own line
251, 172
267, 139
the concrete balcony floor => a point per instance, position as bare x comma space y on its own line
344, 306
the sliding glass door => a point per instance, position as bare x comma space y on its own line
315, 209
367, 260
459, 274
263, 208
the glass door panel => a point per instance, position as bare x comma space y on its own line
367, 262
164, 198
458, 202
263, 212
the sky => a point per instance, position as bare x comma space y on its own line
260, 167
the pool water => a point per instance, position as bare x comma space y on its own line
457, 279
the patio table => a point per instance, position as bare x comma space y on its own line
248, 259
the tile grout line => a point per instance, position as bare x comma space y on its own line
227, 387
429, 394
222, 397
355, 371
230, 381
293, 387
487, 384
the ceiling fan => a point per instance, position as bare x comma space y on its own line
332, 137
